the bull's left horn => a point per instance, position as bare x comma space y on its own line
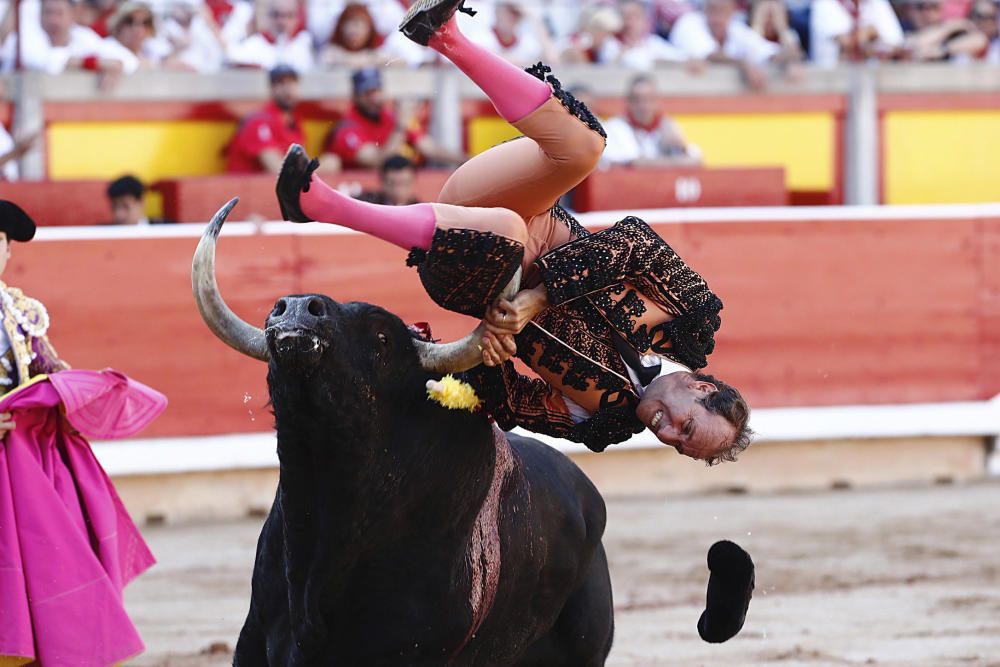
223, 322
463, 354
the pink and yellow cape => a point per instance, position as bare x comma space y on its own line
67, 545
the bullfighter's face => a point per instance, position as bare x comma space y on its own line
673, 410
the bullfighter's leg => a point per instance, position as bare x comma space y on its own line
563, 144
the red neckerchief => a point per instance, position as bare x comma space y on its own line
505, 43
649, 127
221, 9
273, 39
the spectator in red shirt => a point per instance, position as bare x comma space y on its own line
372, 131
262, 138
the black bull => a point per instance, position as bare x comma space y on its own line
372, 553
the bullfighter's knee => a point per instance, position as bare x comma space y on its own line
509, 224
583, 149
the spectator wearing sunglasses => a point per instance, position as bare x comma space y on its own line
983, 14
133, 38
281, 39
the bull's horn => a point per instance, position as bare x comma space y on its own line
223, 322
462, 354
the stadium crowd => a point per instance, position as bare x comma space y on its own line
124, 36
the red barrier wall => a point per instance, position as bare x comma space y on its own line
817, 313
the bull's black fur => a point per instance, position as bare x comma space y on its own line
362, 560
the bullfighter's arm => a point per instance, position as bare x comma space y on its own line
44, 357
517, 400
629, 251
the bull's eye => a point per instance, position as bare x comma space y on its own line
382, 339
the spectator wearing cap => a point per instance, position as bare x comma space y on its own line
983, 14
355, 41
718, 35
282, 41
127, 201
397, 177
595, 40
58, 43
263, 137
835, 37
932, 37
133, 38
642, 48
645, 136
372, 131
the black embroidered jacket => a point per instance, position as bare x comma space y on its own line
597, 283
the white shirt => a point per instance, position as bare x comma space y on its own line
203, 53
526, 50
153, 50
830, 20
257, 51
39, 54
667, 367
322, 16
691, 35
627, 143
993, 54
8, 172
651, 50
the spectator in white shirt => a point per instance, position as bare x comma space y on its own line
595, 42
718, 35
284, 41
645, 136
983, 14
932, 37
322, 16
834, 37
133, 38
642, 48
354, 42
769, 19
195, 40
230, 19
520, 35
62, 44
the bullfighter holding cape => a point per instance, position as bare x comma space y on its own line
67, 545
614, 323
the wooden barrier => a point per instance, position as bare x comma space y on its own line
196, 199
60, 203
829, 312
621, 188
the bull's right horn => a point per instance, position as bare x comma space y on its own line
223, 322
463, 354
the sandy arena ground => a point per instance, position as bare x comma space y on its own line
902, 577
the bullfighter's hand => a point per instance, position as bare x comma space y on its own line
510, 317
498, 348
6, 424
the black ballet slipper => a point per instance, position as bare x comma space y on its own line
730, 587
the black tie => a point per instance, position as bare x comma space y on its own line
646, 374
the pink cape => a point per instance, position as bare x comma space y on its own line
67, 545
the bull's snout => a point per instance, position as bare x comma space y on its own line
298, 311
295, 327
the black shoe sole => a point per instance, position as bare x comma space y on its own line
292, 179
425, 17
